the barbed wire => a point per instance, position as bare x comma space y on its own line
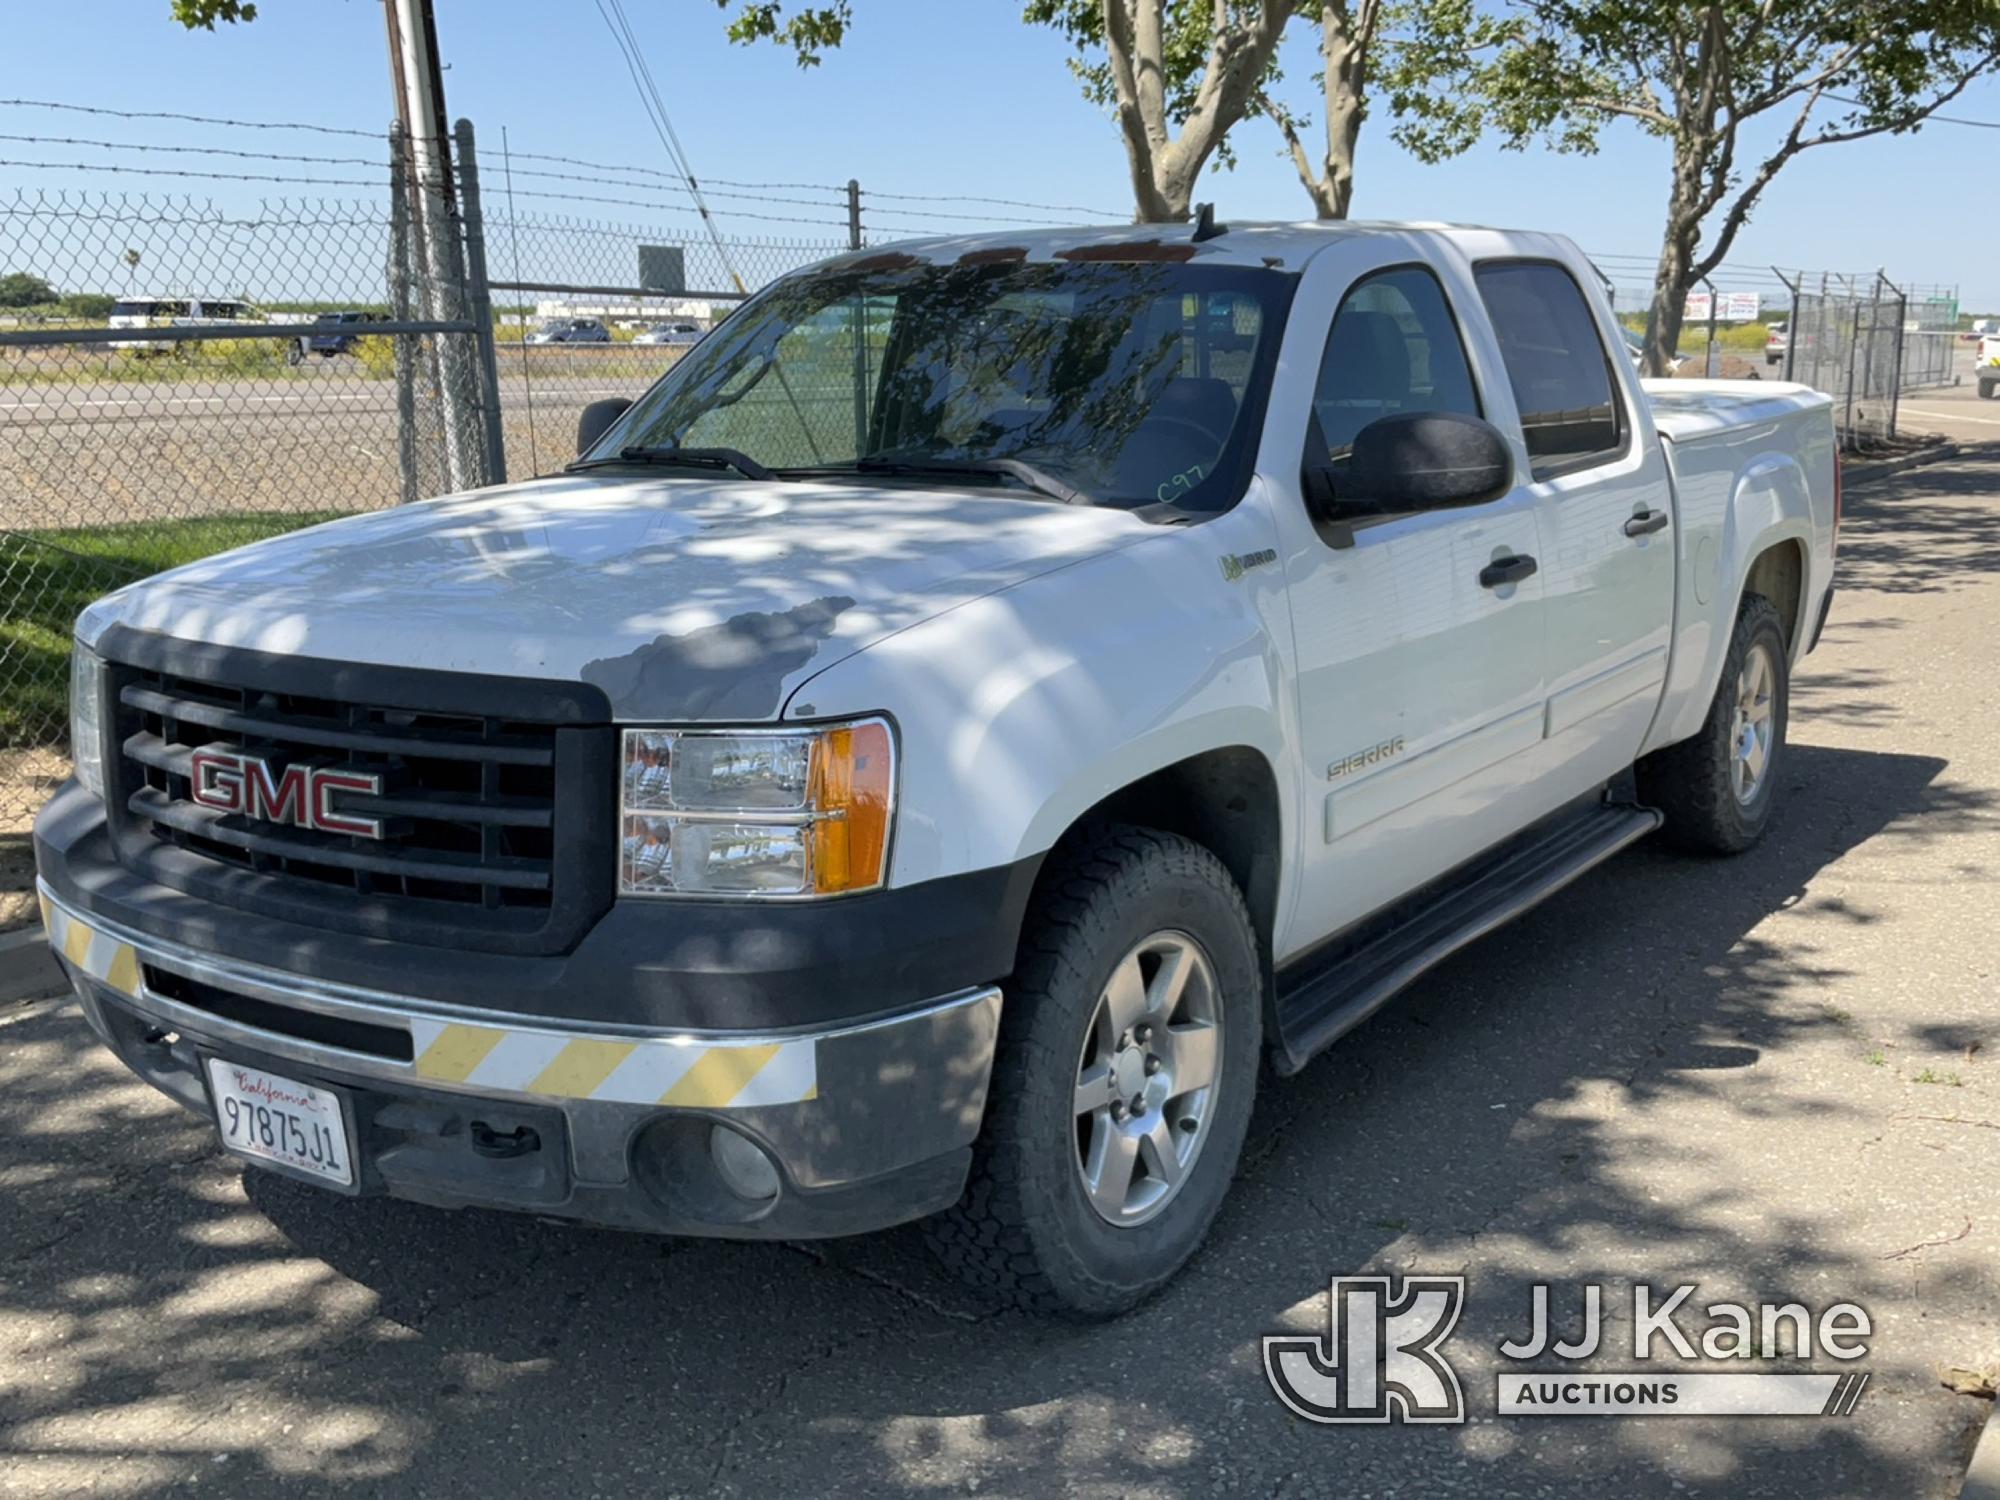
737, 189
84, 166
1056, 208
631, 171
58, 140
678, 209
997, 220
146, 114
652, 187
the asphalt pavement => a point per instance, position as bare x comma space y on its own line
1953, 411
1771, 1075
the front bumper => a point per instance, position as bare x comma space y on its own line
867, 1125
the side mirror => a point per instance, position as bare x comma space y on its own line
596, 421
1426, 460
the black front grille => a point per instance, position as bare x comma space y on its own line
483, 834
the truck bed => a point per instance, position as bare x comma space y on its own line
1685, 410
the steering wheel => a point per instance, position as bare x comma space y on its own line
1209, 443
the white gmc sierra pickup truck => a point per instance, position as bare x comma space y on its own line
937, 744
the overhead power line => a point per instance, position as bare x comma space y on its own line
1941, 119
663, 127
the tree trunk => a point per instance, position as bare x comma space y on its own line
1344, 42
1150, 205
1345, 56
1674, 274
1165, 165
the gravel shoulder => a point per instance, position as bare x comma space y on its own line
1773, 1076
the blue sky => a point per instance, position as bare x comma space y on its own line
934, 97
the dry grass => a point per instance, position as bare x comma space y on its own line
26, 779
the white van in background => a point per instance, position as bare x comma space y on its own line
171, 312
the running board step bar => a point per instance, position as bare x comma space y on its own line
1345, 981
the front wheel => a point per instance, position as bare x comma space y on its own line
1718, 787
1124, 1080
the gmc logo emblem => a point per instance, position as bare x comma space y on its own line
300, 795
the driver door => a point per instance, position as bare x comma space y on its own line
1420, 683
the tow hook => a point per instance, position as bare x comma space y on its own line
502, 1146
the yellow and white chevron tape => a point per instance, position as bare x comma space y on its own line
685, 1072
688, 1072
97, 954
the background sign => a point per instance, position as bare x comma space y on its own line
1730, 307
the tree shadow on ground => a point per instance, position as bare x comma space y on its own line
178, 1333
1913, 533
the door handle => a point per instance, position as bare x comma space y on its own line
1507, 570
1644, 522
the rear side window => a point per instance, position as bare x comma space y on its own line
1557, 365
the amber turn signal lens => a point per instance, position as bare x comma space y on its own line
853, 773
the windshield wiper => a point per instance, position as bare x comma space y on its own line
701, 458
1039, 480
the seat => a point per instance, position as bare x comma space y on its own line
1367, 376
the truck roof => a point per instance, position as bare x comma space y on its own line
1279, 244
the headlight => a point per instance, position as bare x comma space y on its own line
86, 717
755, 812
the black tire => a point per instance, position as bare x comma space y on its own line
1025, 1229
1692, 782
1986, 390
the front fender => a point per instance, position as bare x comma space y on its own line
1019, 711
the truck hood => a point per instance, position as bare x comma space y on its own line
683, 599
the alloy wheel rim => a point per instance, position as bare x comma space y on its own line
1754, 723
1146, 1079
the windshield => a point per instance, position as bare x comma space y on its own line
1127, 383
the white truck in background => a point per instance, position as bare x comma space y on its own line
931, 750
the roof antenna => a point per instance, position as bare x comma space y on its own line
1205, 227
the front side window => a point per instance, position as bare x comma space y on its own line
1124, 383
1557, 365
1393, 348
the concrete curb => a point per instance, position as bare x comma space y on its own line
1855, 474
28, 971
1982, 1476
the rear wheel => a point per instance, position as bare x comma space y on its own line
1986, 389
1124, 1080
1718, 787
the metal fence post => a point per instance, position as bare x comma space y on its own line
1902, 335
1853, 341
853, 214
1709, 363
1791, 320
399, 309
479, 306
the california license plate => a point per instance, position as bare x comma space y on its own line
270, 1118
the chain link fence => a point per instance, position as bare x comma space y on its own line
1847, 339
208, 376
1862, 339
587, 310
1930, 337
226, 375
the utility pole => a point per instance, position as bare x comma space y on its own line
418, 79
